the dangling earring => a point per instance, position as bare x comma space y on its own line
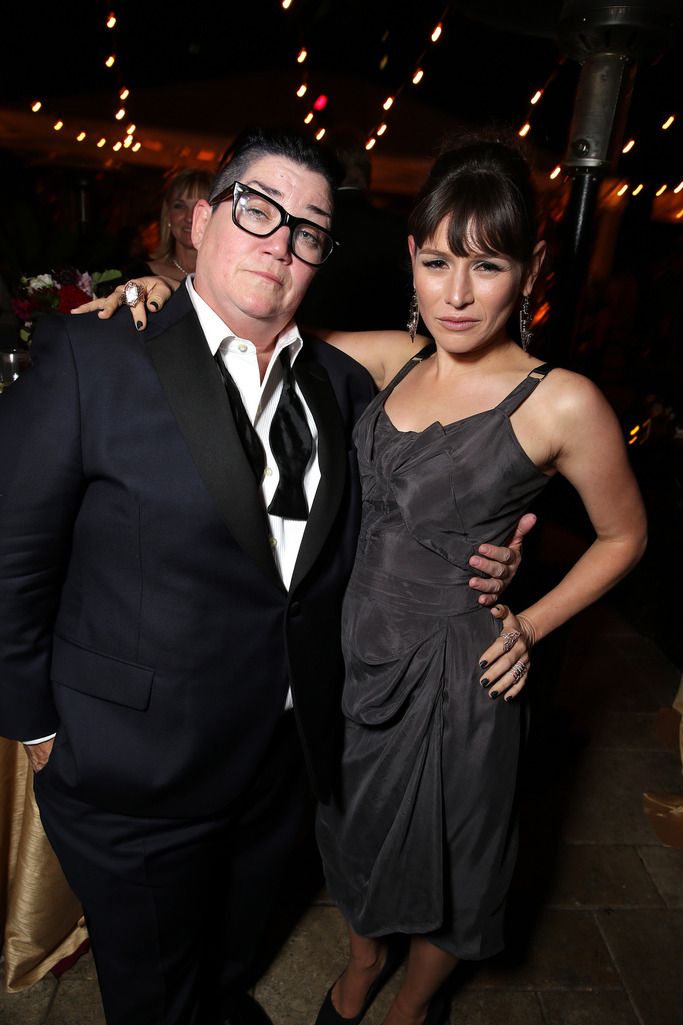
413, 316
525, 323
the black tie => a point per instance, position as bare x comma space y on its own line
290, 441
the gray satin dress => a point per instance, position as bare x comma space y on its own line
420, 838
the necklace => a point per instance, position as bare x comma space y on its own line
180, 268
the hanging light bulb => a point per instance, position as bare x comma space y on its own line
382, 129
124, 94
436, 34
370, 143
525, 129
80, 137
309, 117
110, 61
555, 172
668, 123
622, 190
418, 76
303, 54
35, 107
128, 142
102, 142
629, 146
301, 91
286, 4
136, 147
111, 20
536, 97
58, 125
661, 190
388, 103
638, 189
131, 129
319, 134
678, 188
120, 114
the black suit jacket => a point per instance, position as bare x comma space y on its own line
141, 612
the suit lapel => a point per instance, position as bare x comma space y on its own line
321, 400
196, 394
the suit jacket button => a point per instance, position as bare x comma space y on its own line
295, 608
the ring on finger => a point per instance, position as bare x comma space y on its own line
518, 670
133, 293
509, 640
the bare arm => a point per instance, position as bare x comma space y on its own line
592, 456
382, 353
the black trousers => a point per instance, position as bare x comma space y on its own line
176, 908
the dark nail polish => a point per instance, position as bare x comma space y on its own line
483, 664
138, 324
507, 700
485, 682
154, 305
493, 694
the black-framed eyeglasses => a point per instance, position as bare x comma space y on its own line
260, 215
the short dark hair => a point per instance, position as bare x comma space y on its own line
482, 187
254, 143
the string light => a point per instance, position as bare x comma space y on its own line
80, 137
302, 90
131, 129
436, 34
661, 190
120, 114
320, 103
319, 134
388, 103
556, 172
111, 20
128, 142
370, 143
679, 214
418, 76
629, 146
308, 118
536, 97
638, 189
303, 54
136, 147
35, 107
678, 188
525, 129
286, 4
384, 61
102, 142
117, 146
668, 123
110, 61
58, 125
124, 94
382, 128
622, 190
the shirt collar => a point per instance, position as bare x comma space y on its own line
217, 331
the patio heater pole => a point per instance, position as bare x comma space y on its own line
607, 39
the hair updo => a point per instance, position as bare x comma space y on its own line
483, 189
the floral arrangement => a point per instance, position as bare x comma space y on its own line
58, 292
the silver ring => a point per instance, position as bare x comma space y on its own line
509, 640
518, 670
133, 293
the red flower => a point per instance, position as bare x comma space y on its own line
71, 296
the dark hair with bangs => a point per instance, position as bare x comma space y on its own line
255, 143
483, 189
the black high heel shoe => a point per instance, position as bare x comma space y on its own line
329, 1015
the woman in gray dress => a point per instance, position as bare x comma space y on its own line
464, 434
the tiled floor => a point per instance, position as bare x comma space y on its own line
596, 913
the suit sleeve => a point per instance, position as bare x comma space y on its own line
41, 483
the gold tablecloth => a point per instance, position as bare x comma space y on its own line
41, 919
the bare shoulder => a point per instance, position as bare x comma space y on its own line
572, 395
382, 353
